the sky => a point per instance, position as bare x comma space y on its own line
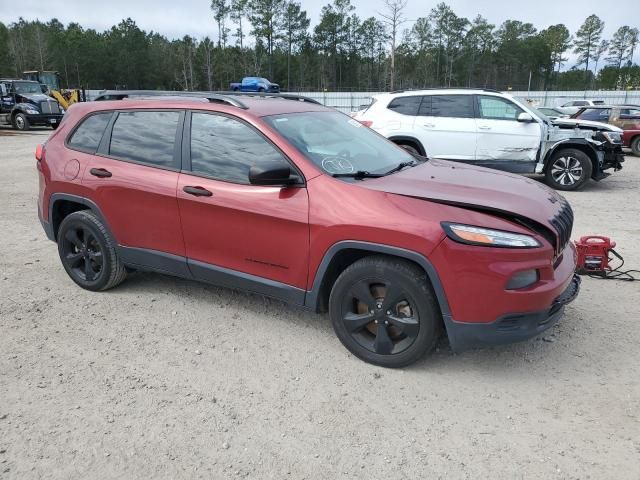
176, 18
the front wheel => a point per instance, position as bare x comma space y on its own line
21, 122
635, 146
568, 169
54, 125
384, 312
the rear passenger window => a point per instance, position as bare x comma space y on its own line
88, 135
405, 105
225, 149
146, 137
455, 106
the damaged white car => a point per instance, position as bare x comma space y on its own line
492, 129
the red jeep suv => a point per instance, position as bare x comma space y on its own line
283, 197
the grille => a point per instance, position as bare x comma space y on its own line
49, 107
563, 223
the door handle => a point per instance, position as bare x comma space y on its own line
100, 172
197, 191
484, 127
429, 125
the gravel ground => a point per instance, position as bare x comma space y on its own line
167, 378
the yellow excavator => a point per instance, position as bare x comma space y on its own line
51, 79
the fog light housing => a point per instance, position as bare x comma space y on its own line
523, 279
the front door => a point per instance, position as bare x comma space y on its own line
242, 235
503, 141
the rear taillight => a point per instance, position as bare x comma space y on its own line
39, 152
366, 123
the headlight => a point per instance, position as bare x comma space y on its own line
612, 137
32, 111
487, 237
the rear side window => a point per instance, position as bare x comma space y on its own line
595, 114
225, 149
88, 135
497, 108
630, 113
454, 106
405, 105
146, 137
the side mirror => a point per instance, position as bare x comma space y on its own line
525, 117
3, 89
272, 173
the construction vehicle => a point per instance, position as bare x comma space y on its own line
51, 79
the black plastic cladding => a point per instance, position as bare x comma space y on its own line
563, 223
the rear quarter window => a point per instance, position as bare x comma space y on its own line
405, 105
86, 137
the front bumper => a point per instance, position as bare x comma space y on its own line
45, 119
510, 328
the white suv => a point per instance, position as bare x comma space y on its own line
492, 129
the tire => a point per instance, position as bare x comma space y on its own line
409, 148
87, 252
568, 169
635, 146
21, 122
54, 126
261, 90
406, 321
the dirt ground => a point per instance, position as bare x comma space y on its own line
167, 378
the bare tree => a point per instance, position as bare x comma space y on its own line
394, 18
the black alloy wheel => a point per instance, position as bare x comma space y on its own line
384, 312
87, 252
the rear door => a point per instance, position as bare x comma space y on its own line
244, 235
446, 126
503, 141
133, 178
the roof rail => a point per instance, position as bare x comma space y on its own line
220, 97
446, 88
145, 94
285, 96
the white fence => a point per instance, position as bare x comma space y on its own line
351, 101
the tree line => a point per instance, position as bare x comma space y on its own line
274, 38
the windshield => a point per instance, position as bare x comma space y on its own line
27, 87
539, 114
338, 144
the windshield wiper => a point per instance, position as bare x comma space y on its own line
359, 175
401, 165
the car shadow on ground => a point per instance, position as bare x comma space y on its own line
489, 360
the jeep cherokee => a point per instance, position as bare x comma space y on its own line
278, 195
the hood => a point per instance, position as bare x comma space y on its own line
474, 187
34, 98
586, 123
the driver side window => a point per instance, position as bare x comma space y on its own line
496, 108
225, 149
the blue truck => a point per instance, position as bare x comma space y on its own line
255, 84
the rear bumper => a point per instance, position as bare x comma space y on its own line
510, 328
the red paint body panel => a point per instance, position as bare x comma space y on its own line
262, 231
139, 202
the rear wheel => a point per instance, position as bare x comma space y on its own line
568, 169
21, 122
384, 312
635, 146
87, 252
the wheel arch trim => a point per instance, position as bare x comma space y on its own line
407, 138
83, 201
573, 143
312, 297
